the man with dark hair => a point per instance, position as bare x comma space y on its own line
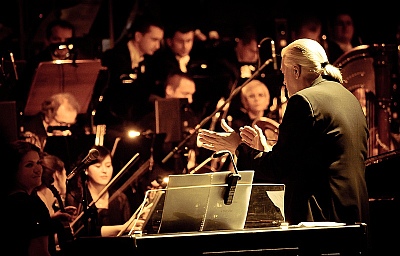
58, 46
59, 34
183, 53
342, 37
126, 96
307, 27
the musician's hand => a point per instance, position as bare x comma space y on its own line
68, 215
61, 133
145, 212
72, 210
254, 137
137, 224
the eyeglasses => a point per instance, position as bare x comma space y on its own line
61, 123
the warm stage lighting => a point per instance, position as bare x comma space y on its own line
165, 180
133, 134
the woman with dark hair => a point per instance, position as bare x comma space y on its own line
27, 220
53, 192
107, 217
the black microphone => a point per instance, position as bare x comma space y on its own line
232, 178
91, 156
274, 55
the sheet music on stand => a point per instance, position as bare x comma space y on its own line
266, 206
75, 76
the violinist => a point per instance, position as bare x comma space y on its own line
53, 192
105, 217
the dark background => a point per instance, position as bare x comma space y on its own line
22, 22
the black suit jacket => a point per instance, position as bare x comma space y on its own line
127, 90
320, 156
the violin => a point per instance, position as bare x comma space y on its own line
65, 234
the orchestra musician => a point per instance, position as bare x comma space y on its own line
58, 121
57, 45
128, 83
255, 101
52, 191
27, 222
58, 113
97, 214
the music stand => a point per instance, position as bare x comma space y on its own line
77, 77
196, 203
265, 207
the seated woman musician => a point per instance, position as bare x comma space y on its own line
106, 213
52, 191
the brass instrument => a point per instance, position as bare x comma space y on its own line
270, 128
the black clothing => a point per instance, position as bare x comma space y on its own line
233, 73
319, 156
245, 162
334, 51
26, 217
118, 213
199, 67
67, 148
127, 90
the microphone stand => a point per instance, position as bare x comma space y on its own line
87, 213
206, 119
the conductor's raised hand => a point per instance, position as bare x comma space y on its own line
218, 141
254, 137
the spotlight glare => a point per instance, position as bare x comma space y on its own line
165, 180
133, 134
